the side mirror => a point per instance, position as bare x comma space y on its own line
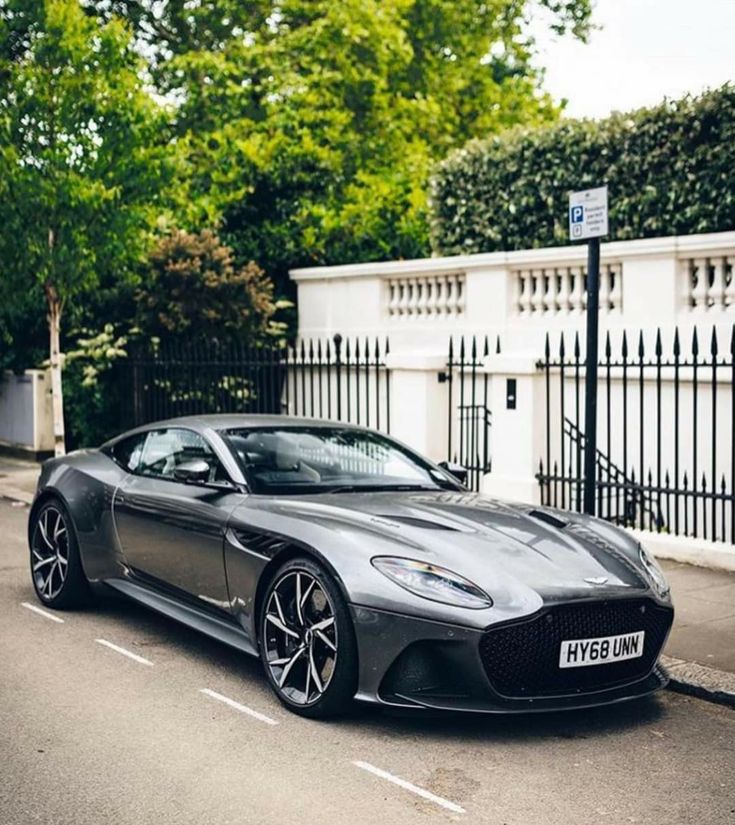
456, 470
193, 471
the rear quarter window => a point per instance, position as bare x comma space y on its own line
127, 453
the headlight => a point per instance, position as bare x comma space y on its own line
431, 582
655, 574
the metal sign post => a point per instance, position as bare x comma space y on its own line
588, 221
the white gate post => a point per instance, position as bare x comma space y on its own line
518, 428
418, 403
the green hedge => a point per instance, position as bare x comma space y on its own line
670, 169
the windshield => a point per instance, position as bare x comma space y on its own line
302, 460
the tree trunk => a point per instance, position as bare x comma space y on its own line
54, 326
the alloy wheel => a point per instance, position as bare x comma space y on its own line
300, 637
50, 553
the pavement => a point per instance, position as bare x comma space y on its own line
167, 726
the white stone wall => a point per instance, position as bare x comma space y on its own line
645, 284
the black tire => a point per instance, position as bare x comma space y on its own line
321, 681
56, 567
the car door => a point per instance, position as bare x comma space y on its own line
171, 532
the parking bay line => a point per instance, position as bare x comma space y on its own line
237, 706
133, 656
408, 786
42, 612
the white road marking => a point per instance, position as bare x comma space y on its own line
242, 708
133, 656
396, 780
42, 612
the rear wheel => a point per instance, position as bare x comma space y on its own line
56, 567
307, 642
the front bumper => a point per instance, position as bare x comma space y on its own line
410, 662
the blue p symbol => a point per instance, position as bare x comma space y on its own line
577, 214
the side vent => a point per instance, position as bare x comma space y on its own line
552, 521
261, 543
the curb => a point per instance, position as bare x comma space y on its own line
15, 494
700, 681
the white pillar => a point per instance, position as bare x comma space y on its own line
517, 434
418, 403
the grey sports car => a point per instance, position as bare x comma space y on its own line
353, 567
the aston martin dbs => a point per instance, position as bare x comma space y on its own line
353, 567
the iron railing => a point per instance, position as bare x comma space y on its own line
666, 440
338, 379
470, 419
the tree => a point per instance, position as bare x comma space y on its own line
194, 289
81, 163
311, 126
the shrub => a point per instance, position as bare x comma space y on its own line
670, 170
193, 288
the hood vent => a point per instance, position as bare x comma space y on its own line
419, 522
553, 521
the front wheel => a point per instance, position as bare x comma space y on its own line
307, 642
56, 568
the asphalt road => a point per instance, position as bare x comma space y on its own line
90, 735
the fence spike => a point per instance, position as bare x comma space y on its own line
303, 351
461, 350
577, 347
685, 481
641, 348
704, 483
311, 350
547, 346
625, 346
695, 343
667, 480
562, 350
608, 347
497, 344
319, 350
486, 348
713, 342
474, 349
347, 350
387, 345
659, 349
723, 485
732, 342
677, 345
357, 349
377, 350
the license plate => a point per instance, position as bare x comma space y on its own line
602, 651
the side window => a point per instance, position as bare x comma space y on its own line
127, 452
166, 449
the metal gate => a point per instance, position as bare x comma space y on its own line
470, 418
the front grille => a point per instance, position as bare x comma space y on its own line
521, 660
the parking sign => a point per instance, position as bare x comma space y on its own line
588, 214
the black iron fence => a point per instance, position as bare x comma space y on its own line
666, 443
343, 380
470, 418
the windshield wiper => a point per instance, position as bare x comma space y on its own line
381, 488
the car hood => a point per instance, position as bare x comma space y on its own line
558, 555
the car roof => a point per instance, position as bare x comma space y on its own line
227, 421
